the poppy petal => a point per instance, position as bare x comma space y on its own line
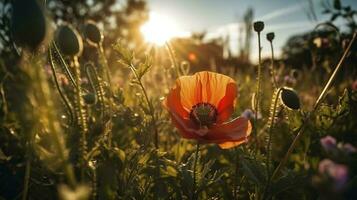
173, 104
236, 130
185, 127
228, 145
226, 105
190, 91
214, 87
207, 87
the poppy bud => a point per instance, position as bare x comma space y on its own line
294, 73
270, 36
90, 98
28, 23
69, 41
258, 26
92, 33
290, 98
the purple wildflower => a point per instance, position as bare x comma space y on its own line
338, 172
328, 143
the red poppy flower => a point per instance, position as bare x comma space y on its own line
200, 105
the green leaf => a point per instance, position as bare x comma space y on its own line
171, 171
143, 68
3, 156
126, 55
288, 181
120, 153
254, 170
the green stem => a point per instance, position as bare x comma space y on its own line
194, 171
151, 108
272, 69
63, 96
235, 174
173, 58
257, 94
53, 127
109, 79
317, 103
272, 121
97, 88
27, 173
271, 127
81, 120
64, 65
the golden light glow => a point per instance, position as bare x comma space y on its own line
159, 29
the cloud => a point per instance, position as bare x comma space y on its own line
282, 12
291, 25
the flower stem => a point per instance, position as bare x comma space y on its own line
109, 79
317, 103
271, 127
81, 118
257, 94
151, 108
173, 58
272, 69
27, 172
194, 171
236, 166
63, 96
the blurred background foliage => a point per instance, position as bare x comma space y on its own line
92, 126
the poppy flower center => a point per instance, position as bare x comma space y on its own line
203, 114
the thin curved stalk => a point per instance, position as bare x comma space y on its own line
27, 172
272, 69
63, 96
97, 88
271, 127
53, 126
194, 171
108, 75
64, 65
172, 58
257, 93
80, 112
151, 108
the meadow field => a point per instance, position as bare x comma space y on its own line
97, 105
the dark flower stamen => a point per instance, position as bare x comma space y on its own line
203, 114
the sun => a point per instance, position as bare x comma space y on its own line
159, 29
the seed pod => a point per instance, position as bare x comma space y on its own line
290, 98
270, 36
69, 41
258, 26
90, 98
92, 33
28, 23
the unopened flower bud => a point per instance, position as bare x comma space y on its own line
69, 41
270, 36
92, 33
28, 23
290, 98
258, 26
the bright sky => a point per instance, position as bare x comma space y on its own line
218, 17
